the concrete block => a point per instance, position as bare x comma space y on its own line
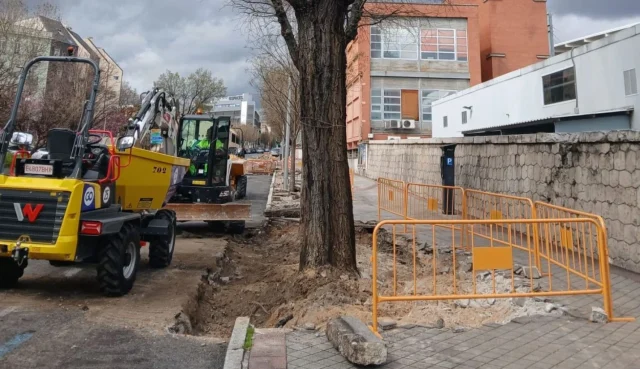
356, 342
614, 176
591, 137
233, 359
598, 315
235, 349
532, 272
623, 136
239, 333
619, 160
630, 234
631, 161
387, 323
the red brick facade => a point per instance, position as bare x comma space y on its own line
503, 35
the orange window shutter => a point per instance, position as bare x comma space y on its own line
410, 106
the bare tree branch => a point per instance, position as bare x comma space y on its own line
285, 28
353, 20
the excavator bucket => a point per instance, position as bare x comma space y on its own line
211, 212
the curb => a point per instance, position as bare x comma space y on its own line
235, 349
270, 197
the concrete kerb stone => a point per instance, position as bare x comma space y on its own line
355, 341
235, 349
270, 197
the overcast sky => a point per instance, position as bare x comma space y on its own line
147, 37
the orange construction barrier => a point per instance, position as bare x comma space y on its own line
491, 262
391, 197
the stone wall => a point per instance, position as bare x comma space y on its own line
594, 172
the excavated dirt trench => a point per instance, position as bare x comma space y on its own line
259, 278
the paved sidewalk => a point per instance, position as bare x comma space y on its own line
528, 342
268, 350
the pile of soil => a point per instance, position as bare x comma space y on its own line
261, 279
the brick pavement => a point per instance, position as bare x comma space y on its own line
528, 342
268, 350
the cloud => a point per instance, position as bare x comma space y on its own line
596, 9
571, 26
148, 37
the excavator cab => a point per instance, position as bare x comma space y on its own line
213, 181
205, 142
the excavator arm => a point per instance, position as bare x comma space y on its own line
154, 125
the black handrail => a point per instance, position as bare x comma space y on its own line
83, 133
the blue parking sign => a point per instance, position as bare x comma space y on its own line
449, 162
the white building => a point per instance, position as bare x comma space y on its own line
108, 69
241, 109
592, 86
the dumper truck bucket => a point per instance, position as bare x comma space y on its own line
211, 212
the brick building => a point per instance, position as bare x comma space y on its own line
398, 67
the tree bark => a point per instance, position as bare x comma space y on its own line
327, 229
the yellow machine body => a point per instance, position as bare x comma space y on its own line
64, 249
148, 179
146, 183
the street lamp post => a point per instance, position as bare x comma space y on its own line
286, 140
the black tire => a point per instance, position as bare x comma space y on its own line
241, 188
236, 227
161, 249
120, 251
10, 272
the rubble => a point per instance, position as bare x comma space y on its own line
598, 315
182, 324
355, 341
387, 323
281, 203
309, 326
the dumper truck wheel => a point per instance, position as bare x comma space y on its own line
10, 272
161, 249
241, 188
119, 261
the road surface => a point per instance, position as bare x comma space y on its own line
56, 317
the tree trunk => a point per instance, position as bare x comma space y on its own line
327, 229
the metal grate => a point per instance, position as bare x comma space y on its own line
15, 220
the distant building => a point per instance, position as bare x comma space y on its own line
399, 67
590, 87
84, 50
241, 109
108, 69
38, 36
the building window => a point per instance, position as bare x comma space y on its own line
17, 47
386, 104
116, 77
435, 44
394, 43
445, 121
376, 104
428, 97
443, 44
464, 117
559, 86
630, 82
392, 104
